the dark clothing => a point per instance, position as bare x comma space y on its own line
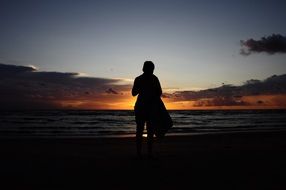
148, 89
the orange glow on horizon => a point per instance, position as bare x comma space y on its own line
122, 101
252, 102
126, 102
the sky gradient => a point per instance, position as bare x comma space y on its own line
195, 45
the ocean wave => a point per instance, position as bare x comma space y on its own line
118, 123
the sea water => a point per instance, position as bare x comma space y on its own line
90, 123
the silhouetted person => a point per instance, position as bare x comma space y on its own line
148, 89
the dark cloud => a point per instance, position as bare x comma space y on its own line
25, 87
221, 101
229, 95
9, 70
111, 91
275, 43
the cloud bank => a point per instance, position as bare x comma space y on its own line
268, 92
24, 87
275, 43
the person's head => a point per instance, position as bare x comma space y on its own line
148, 67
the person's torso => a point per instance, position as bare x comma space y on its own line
148, 89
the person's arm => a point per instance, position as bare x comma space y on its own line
135, 89
159, 89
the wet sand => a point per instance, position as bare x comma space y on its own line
255, 160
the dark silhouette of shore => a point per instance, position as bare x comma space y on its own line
220, 161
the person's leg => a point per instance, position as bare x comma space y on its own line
139, 137
150, 139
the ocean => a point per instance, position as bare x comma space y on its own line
90, 123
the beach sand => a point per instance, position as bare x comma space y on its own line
255, 160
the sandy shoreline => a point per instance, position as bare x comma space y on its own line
253, 160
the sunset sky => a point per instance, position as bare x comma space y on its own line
85, 54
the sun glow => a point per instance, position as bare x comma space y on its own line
125, 101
